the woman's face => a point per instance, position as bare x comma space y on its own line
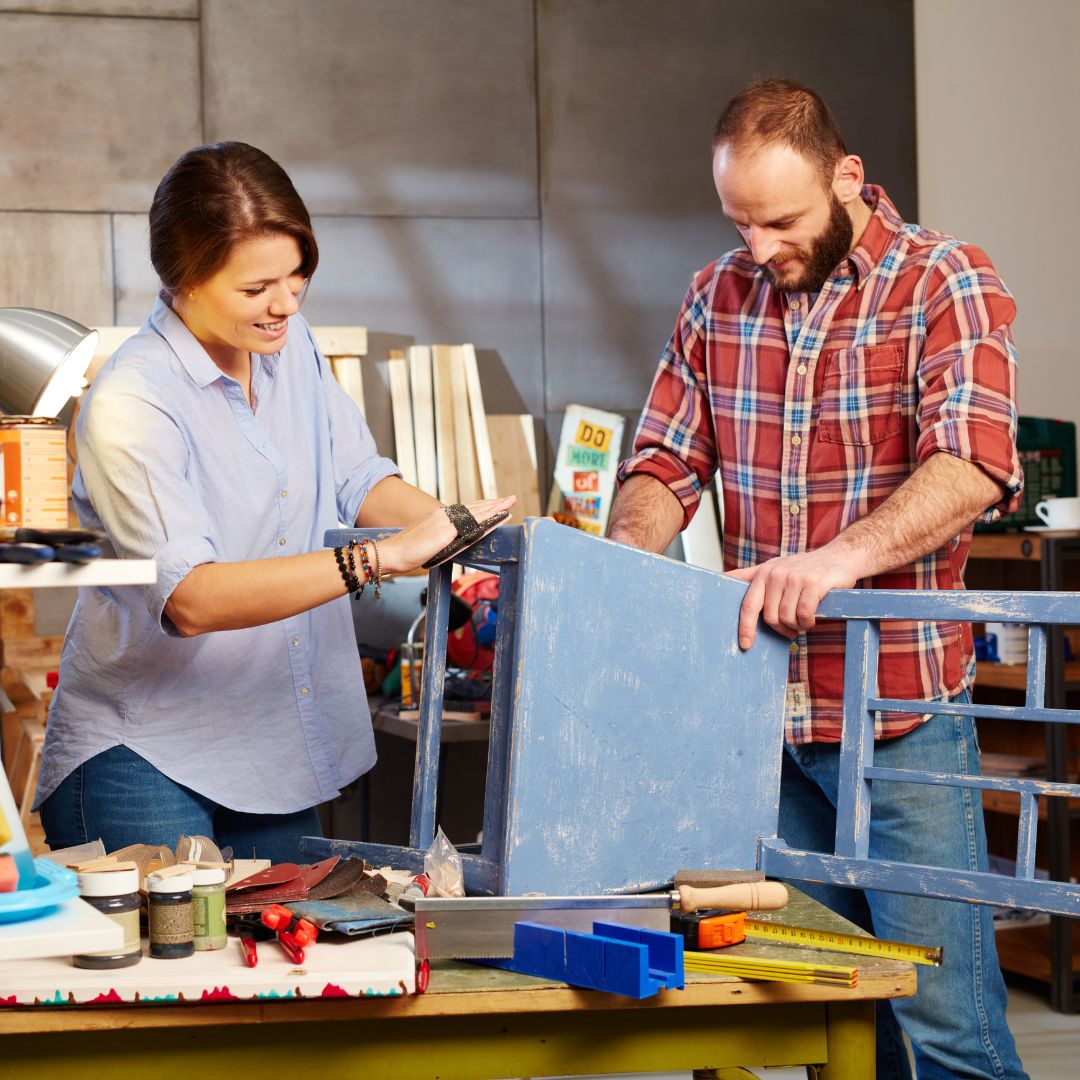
244, 308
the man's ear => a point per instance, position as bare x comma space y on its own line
848, 179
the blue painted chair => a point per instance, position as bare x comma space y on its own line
864, 611
630, 736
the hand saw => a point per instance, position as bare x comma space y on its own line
482, 927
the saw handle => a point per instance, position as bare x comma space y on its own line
747, 896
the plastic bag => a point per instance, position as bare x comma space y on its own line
442, 867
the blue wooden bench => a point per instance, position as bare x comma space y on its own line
630, 736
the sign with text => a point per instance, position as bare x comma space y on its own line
585, 466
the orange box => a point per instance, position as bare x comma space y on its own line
33, 469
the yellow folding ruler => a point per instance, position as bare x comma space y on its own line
838, 942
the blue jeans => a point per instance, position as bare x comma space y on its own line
123, 799
956, 1021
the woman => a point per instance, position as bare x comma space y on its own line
225, 700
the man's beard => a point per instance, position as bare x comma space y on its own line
825, 254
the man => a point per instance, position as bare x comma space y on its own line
852, 380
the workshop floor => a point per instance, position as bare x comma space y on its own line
1048, 1042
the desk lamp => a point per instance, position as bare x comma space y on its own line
43, 359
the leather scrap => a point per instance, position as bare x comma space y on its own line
344, 876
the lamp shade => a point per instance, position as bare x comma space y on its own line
43, 359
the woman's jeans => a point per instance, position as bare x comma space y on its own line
956, 1021
121, 798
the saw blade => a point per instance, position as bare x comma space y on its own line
482, 927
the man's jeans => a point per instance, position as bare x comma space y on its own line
121, 798
956, 1021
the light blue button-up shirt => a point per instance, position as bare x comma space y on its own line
177, 467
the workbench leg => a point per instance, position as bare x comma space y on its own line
850, 1037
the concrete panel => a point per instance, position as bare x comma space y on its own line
106, 107
629, 94
157, 9
381, 106
58, 262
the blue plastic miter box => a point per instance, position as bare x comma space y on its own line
619, 959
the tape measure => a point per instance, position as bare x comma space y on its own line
849, 943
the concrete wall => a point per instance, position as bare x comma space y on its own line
998, 90
530, 175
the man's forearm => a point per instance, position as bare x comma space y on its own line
645, 514
936, 503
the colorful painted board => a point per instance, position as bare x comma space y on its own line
376, 967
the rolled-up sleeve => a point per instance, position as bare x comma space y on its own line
967, 371
133, 464
358, 465
674, 441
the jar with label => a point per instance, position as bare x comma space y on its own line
114, 893
208, 908
172, 927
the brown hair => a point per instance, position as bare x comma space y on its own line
214, 197
786, 112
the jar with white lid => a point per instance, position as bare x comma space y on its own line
114, 893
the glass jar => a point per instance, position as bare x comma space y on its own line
172, 927
114, 893
208, 908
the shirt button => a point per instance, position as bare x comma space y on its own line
801, 369
796, 440
283, 494
794, 305
295, 641
794, 508
793, 647
304, 691
281, 542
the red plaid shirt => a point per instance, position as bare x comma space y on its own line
813, 411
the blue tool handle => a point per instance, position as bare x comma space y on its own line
26, 553
77, 553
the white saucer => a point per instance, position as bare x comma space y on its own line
1052, 531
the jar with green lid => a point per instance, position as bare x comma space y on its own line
172, 928
208, 908
114, 893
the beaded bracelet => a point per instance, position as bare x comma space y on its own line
369, 573
352, 583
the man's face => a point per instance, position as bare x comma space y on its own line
796, 228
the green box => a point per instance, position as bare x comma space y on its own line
1047, 451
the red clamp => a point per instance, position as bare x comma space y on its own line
294, 934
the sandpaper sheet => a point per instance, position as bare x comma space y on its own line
355, 913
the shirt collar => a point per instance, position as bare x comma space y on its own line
880, 232
189, 352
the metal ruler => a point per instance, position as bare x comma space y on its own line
849, 943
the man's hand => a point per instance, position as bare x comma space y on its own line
786, 591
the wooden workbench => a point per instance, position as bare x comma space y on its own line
476, 1023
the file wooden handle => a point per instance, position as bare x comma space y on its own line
748, 896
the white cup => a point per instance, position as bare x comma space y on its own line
1059, 513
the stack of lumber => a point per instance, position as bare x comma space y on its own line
446, 443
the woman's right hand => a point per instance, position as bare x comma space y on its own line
425, 538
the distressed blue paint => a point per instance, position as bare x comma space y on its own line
985, 712
987, 783
1055, 897
857, 739
1050, 608
628, 731
1035, 698
849, 866
432, 680
640, 731
1026, 836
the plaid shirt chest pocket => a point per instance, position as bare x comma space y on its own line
860, 395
